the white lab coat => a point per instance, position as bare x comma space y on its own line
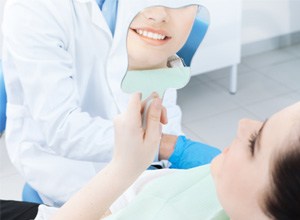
62, 72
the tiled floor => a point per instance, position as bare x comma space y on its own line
267, 83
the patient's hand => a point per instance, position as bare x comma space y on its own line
135, 147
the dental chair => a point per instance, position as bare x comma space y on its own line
2, 102
186, 53
189, 49
30, 195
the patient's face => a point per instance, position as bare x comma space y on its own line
241, 172
157, 33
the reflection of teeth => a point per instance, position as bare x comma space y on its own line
152, 35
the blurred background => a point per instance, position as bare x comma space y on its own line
252, 49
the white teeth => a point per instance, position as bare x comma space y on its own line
151, 35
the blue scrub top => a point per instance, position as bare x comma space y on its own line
109, 10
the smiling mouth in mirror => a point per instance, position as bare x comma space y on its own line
155, 37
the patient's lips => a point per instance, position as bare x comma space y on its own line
152, 36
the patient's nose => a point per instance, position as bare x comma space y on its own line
156, 14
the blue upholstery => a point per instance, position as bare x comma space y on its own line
197, 34
30, 195
2, 101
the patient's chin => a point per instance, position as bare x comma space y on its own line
215, 166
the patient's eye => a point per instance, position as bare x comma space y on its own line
252, 140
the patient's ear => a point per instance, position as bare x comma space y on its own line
160, 55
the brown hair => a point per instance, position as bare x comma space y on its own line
282, 201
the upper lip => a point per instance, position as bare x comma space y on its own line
161, 32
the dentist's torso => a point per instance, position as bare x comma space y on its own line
69, 47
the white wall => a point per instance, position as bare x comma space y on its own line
263, 19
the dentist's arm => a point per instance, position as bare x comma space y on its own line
173, 128
184, 153
39, 66
134, 151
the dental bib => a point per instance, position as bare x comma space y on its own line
186, 194
158, 80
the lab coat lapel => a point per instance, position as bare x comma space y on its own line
98, 19
118, 57
96, 16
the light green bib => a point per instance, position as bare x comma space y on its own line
184, 195
156, 80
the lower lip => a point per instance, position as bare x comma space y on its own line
152, 42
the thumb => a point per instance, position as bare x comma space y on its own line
153, 125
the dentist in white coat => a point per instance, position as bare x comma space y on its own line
62, 74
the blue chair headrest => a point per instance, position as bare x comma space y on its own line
2, 101
30, 195
197, 34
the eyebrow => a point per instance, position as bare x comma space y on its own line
258, 138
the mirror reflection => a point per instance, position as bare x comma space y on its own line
159, 52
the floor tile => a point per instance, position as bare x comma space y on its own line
194, 80
287, 73
190, 134
243, 68
202, 76
294, 50
254, 87
6, 168
223, 73
11, 187
296, 95
267, 108
266, 59
217, 74
219, 130
202, 100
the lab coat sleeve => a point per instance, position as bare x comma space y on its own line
174, 113
36, 42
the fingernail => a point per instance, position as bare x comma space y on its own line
139, 94
155, 95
